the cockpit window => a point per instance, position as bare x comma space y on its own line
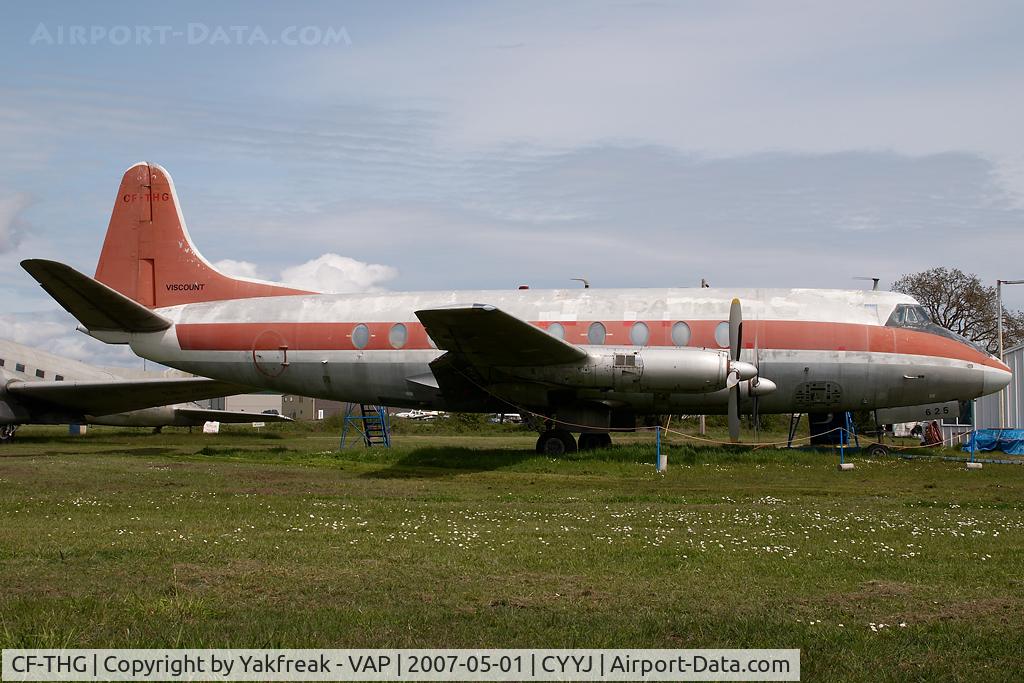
910, 315
916, 317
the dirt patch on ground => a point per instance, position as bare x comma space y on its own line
868, 593
895, 602
1001, 609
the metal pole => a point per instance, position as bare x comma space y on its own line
1004, 395
660, 465
999, 328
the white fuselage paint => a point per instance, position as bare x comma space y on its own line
847, 379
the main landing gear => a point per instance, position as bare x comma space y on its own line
7, 433
561, 442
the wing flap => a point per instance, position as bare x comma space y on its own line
485, 336
95, 305
119, 396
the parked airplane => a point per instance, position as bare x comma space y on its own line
43, 388
587, 360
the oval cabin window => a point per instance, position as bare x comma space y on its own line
398, 335
722, 334
639, 334
360, 336
681, 334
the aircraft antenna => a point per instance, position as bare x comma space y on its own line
874, 282
585, 281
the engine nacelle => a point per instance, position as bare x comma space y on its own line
11, 411
654, 370
159, 416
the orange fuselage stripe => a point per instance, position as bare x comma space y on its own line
793, 335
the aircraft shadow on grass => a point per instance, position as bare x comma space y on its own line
436, 462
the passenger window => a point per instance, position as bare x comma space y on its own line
398, 335
59, 378
722, 334
19, 367
1, 362
639, 334
680, 334
596, 334
360, 336
40, 374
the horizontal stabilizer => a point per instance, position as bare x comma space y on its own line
96, 306
485, 336
198, 416
105, 397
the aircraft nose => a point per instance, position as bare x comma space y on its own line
996, 379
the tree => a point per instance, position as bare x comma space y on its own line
959, 302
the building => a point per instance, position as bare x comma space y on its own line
986, 408
249, 403
305, 408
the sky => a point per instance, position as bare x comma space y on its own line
422, 146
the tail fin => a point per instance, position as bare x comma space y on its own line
148, 256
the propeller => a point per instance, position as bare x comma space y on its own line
743, 376
755, 383
732, 382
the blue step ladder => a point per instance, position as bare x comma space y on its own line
372, 424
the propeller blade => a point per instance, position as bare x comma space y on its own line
735, 329
754, 385
734, 414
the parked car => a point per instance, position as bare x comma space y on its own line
419, 414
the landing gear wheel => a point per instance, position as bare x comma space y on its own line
7, 433
590, 441
878, 450
556, 442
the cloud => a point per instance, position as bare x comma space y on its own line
338, 274
238, 269
54, 331
11, 223
326, 273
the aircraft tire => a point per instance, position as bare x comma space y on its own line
556, 442
7, 433
878, 450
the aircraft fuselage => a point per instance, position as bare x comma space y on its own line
825, 350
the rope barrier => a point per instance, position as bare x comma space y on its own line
788, 442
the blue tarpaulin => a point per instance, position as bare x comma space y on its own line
1010, 441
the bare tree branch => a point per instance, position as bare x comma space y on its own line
960, 303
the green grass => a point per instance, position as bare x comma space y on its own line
898, 570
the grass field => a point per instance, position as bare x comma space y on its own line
898, 570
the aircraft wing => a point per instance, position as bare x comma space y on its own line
485, 336
201, 415
105, 397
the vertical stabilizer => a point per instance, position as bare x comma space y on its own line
148, 255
